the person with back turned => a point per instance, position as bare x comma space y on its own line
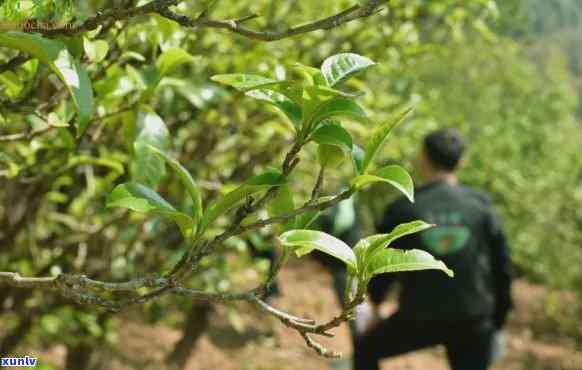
464, 313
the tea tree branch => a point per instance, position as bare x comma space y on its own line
241, 203
74, 287
162, 7
235, 26
25, 135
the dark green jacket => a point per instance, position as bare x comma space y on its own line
469, 239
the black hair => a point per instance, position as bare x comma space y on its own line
444, 148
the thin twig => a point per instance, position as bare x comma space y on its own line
13, 63
26, 135
348, 15
162, 7
321, 350
30, 135
318, 184
286, 217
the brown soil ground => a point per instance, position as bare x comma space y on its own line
261, 343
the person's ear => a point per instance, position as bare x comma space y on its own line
462, 163
424, 165
417, 162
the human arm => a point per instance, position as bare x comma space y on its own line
500, 266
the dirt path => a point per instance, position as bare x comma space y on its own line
263, 344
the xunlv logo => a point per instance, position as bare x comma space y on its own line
18, 361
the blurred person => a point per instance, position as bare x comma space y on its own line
465, 313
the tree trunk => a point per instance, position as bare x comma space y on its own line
195, 325
9, 342
79, 356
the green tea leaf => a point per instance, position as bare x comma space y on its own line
338, 107
92, 34
397, 260
283, 203
78, 160
172, 58
307, 219
186, 178
330, 155
366, 248
96, 50
230, 200
338, 93
291, 109
12, 84
200, 96
379, 137
311, 74
285, 95
394, 175
312, 98
56, 55
12, 167
333, 134
243, 82
151, 76
306, 241
340, 67
137, 197
132, 55
334, 144
146, 78
148, 168
74, 44
140, 198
